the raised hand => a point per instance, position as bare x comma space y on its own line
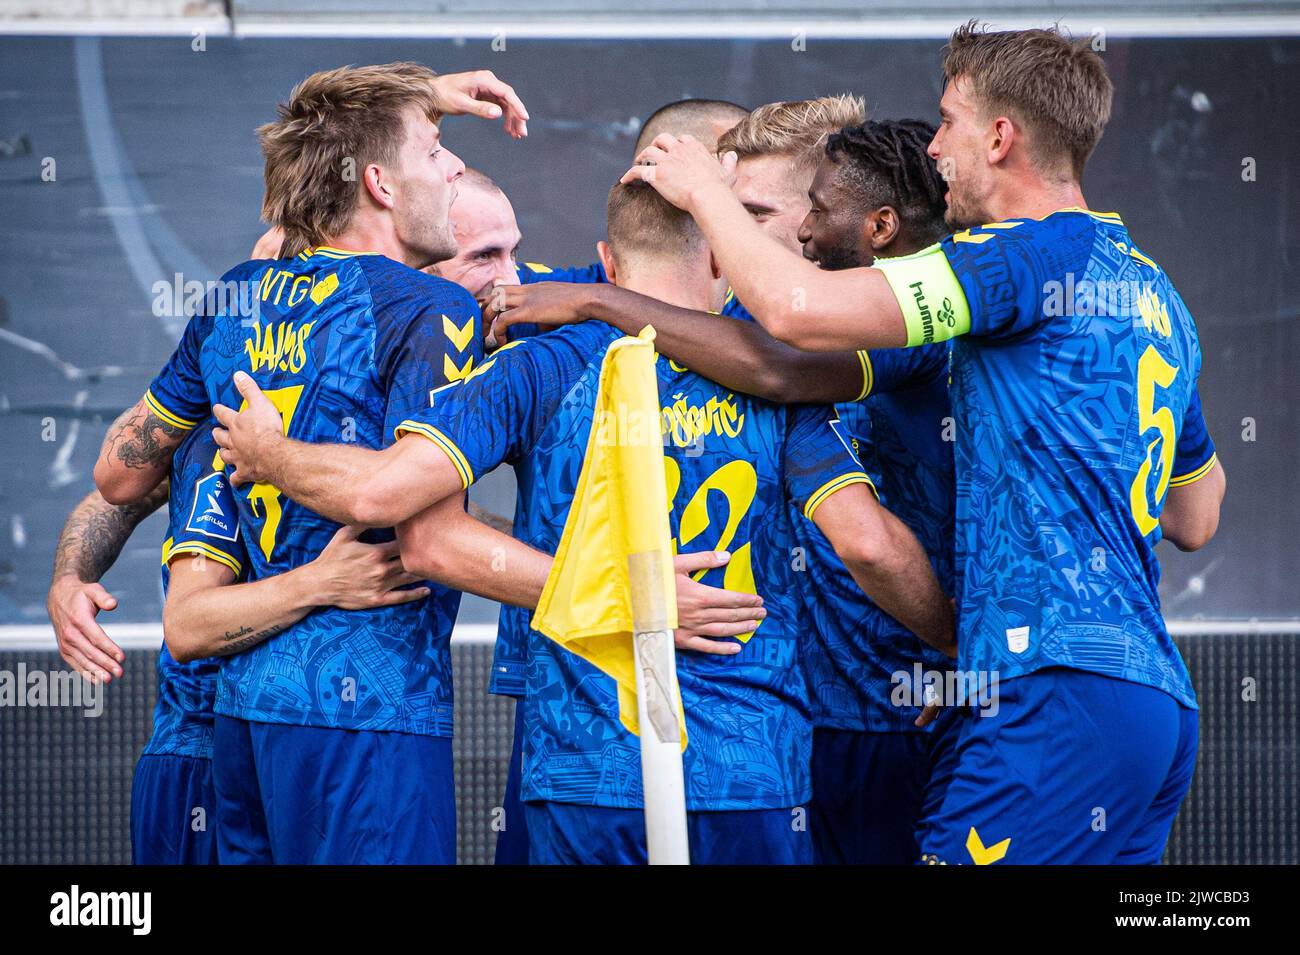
682, 169
480, 93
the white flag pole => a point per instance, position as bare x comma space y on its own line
656, 692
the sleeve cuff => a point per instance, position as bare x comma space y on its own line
819, 496
201, 549
458, 459
173, 419
1191, 477
868, 374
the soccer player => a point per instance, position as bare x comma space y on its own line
874, 192
780, 146
172, 801
138, 445
1073, 386
733, 463
348, 337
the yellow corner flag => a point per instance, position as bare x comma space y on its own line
613, 570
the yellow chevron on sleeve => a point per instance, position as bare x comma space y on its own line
968, 236
453, 372
460, 337
539, 268
985, 856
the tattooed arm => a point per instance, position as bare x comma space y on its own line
136, 453
92, 539
209, 615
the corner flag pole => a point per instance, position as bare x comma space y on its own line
656, 693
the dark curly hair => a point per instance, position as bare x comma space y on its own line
884, 163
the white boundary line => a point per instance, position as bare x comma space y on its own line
148, 636
923, 27
31, 638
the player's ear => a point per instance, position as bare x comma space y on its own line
607, 260
881, 228
1003, 134
377, 186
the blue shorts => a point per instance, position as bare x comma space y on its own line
1073, 768
173, 811
512, 840
565, 834
304, 795
867, 791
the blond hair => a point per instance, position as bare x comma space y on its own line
797, 129
1052, 84
336, 123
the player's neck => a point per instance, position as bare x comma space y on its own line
365, 236
1035, 198
670, 287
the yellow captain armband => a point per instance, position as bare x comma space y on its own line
926, 288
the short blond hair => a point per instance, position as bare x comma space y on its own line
336, 121
1054, 85
797, 129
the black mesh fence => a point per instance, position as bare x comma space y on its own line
65, 778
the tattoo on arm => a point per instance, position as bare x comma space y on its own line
140, 439
96, 532
240, 640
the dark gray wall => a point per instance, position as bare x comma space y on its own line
158, 172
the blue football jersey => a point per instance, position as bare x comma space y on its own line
530, 272
861, 661
346, 345
732, 465
1071, 383
202, 521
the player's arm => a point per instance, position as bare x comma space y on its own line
888, 563
445, 544
207, 614
347, 484
789, 296
739, 355
136, 453
1190, 514
91, 540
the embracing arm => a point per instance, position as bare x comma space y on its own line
207, 614
789, 296
889, 564
345, 483
737, 354
91, 541
445, 544
135, 455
